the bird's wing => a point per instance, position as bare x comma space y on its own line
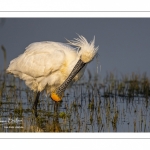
39, 59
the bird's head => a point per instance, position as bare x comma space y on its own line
87, 51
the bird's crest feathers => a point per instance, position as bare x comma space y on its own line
87, 50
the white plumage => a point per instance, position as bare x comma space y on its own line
46, 65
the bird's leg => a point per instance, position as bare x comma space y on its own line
55, 119
36, 100
56, 107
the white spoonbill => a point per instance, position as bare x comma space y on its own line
52, 66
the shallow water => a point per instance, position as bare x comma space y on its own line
88, 106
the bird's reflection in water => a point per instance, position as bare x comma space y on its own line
55, 126
51, 125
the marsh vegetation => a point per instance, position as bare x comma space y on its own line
93, 104
90, 105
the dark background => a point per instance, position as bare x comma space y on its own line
124, 43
